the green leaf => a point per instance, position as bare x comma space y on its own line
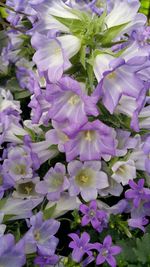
7, 217
3, 38
74, 25
145, 7
101, 20
47, 213
21, 94
3, 13
83, 56
13, 85
127, 254
90, 77
111, 33
21, 137
2, 202
142, 249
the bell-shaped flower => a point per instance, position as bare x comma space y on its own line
41, 235
91, 142
123, 171
52, 54
69, 101
11, 254
116, 78
121, 14
86, 179
54, 183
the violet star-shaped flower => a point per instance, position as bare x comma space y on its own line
107, 252
98, 218
137, 192
80, 246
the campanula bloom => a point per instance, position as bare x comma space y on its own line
98, 218
137, 193
107, 252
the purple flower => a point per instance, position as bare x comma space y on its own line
138, 223
131, 107
56, 136
52, 55
146, 149
107, 251
124, 142
41, 235
18, 164
5, 182
11, 254
45, 260
98, 218
89, 6
91, 142
137, 192
86, 178
23, 6
10, 128
39, 106
69, 101
27, 78
7, 104
55, 182
81, 246
121, 13
142, 35
116, 78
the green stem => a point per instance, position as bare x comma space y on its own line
64, 219
6, 24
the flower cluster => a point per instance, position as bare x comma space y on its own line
82, 246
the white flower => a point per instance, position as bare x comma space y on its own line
125, 11
64, 204
123, 171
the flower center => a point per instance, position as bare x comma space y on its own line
89, 135
99, 3
121, 170
19, 169
26, 188
111, 75
74, 100
57, 181
141, 191
84, 178
92, 213
105, 252
37, 235
57, 51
